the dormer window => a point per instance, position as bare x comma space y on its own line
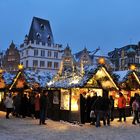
48, 37
38, 35
42, 26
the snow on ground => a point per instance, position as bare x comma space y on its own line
29, 129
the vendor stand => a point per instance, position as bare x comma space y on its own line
94, 79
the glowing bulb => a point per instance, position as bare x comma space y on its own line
20, 66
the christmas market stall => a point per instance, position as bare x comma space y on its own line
67, 92
129, 84
19, 83
29, 81
2, 86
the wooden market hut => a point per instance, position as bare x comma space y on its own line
2, 88
30, 81
19, 83
65, 92
129, 83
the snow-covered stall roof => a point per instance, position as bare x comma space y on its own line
128, 79
29, 78
42, 78
122, 75
8, 77
76, 80
73, 80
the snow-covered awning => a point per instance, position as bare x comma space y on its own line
42, 78
128, 79
122, 75
92, 73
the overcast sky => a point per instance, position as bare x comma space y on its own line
92, 23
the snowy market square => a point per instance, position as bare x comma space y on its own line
29, 129
69, 70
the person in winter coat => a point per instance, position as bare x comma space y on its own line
106, 109
9, 105
121, 107
43, 107
37, 105
111, 108
17, 104
132, 99
82, 108
93, 100
32, 105
98, 110
24, 105
135, 108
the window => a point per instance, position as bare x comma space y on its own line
35, 63
38, 35
43, 53
42, 26
131, 60
26, 63
49, 65
138, 52
11, 52
122, 62
125, 61
49, 53
65, 99
10, 59
137, 60
35, 52
67, 59
56, 65
49, 40
55, 54
42, 63
26, 52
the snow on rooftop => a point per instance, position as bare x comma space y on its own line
8, 77
121, 74
39, 77
74, 80
100, 53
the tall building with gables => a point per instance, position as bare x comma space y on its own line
39, 52
68, 63
75, 63
11, 59
85, 58
123, 57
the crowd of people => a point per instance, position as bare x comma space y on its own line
23, 104
92, 109
96, 109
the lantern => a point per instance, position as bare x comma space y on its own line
101, 61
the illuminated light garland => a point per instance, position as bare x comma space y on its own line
15, 80
136, 77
